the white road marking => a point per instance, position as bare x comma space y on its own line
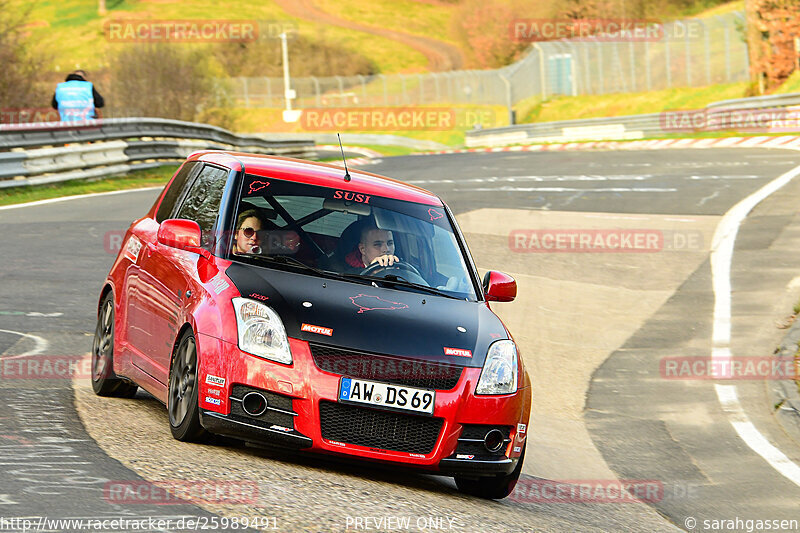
579, 177
566, 189
5, 499
40, 344
617, 217
707, 198
721, 258
75, 197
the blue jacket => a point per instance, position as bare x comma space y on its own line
76, 99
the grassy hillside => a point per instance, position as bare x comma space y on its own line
411, 16
72, 31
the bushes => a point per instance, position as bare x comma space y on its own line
485, 29
773, 27
164, 80
262, 58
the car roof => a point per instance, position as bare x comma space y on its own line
321, 174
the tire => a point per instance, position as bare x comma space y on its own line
491, 487
104, 381
182, 403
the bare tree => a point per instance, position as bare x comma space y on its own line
23, 65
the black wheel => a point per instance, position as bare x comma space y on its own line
182, 404
494, 487
104, 381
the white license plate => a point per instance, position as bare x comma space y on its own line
387, 396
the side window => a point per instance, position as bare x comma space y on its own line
175, 189
201, 204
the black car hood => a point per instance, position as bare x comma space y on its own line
372, 319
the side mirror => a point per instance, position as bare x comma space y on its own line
499, 287
182, 234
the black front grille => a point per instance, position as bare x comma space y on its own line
378, 429
389, 369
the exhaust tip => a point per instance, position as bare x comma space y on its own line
493, 440
254, 404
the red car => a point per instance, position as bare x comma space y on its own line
292, 304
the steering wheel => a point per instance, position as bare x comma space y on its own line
415, 276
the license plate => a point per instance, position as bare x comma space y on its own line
387, 396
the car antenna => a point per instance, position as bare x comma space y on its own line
344, 159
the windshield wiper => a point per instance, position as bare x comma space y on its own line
287, 260
403, 282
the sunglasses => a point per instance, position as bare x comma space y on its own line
248, 232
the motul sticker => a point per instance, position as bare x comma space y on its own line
337, 443
215, 380
215, 392
316, 329
132, 249
458, 351
281, 428
464, 456
213, 401
417, 455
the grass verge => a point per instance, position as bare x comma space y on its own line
792, 85
620, 104
134, 180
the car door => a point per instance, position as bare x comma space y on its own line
135, 295
164, 274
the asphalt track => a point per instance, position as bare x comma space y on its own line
639, 425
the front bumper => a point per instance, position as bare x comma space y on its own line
303, 390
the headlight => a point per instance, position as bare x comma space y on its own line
261, 331
500, 372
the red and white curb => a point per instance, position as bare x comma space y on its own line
764, 141
370, 156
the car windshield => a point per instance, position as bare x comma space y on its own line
349, 234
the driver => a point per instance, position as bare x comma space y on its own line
247, 240
376, 246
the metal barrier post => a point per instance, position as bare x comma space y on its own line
708, 54
316, 91
667, 62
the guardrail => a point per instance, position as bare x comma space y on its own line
624, 127
33, 154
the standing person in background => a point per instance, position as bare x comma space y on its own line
76, 99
